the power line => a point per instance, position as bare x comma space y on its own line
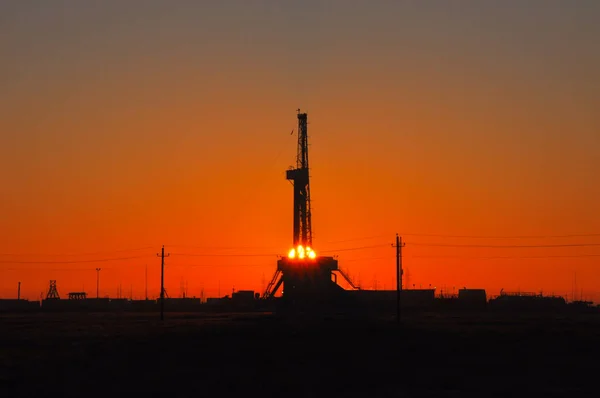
273, 254
177, 254
223, 247
506, 246
353, 248
70, 261
75, 254
342, 241
369, 259
270, 254
505, 257
224, 255
357, 239
217, 265
275, 247
51, 269
390, 257
506, 237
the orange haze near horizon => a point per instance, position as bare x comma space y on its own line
125, 128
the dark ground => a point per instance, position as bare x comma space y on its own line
111, 355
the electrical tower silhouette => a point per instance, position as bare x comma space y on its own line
52, 291
399, 245
162, 281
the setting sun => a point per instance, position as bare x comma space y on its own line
302, 252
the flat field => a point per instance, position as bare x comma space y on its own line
194, 355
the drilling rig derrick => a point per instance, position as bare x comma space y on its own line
304, 276
301, 180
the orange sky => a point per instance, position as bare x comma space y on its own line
125, 127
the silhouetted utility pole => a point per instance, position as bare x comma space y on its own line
162, 281
98, 282
399, 244
19, 292
146, 282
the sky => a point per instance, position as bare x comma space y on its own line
128, 125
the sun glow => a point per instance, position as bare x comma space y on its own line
302, 252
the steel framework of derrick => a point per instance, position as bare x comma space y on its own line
301, 180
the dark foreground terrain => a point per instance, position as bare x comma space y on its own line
111, 355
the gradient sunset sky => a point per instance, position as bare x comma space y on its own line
126, 125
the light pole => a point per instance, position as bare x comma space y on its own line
98, 282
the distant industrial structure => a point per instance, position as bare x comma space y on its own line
369, 301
